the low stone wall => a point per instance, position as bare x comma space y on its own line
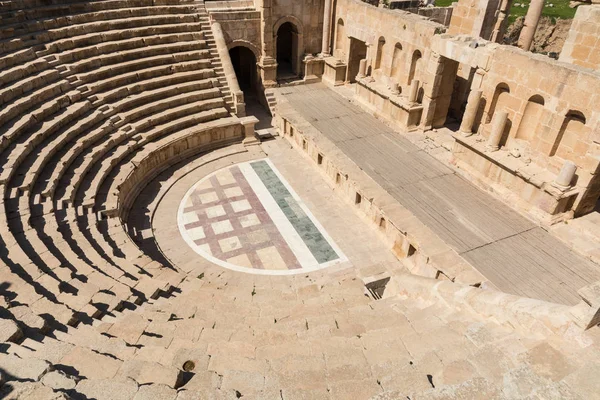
441, 15
157, 157
381, 102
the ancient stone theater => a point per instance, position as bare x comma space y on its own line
299, 199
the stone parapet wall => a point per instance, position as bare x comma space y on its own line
240, 27
165, 153
582, 46
441, 15
402, 33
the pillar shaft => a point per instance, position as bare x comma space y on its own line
530, 25
414, 91
566, 174
362, 68
498, 125
325, 49
466, 126
501, 20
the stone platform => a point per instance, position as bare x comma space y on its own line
517, 256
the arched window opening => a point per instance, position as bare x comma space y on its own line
531, 118
570, 133
414, 66
379, 54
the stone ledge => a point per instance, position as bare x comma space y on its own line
524, 314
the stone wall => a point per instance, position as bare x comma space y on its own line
441, 15
565, 92
392, 37
474, 17
307, 13
241, 28
553, 114
582, 46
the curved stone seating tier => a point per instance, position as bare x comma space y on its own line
79, 56
51, 23
90, 32
161, 154
194, 115
82, 126
87, 86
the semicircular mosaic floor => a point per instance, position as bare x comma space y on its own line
247, 218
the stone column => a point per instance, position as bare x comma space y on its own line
362, 68
414, 91
501, 20
369, 57
530, 25
565, 176
498, 125
466, 126
325, 49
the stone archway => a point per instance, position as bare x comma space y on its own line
288, 47
244, 64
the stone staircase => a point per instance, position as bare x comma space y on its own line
271, 101
214, 54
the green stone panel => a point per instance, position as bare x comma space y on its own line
310, 234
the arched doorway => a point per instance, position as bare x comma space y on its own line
244, 64
287, 51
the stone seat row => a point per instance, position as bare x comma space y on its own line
107, 78
97, 117
60, 17
25, 90
154, 86
38, 40
15, 12
80, 6
56, 133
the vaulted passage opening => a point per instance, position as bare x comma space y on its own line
358, 51
287, 51
244, 64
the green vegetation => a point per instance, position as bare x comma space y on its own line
443, 3
560, 9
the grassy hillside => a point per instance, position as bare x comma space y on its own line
560, 9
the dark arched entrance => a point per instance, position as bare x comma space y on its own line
244, 64
287, 51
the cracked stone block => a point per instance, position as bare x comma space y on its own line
144, 372
155, 392
90, 364
59, 380
29, 391
9, 331
107, 389
15, 368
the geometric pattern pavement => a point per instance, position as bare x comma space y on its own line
246, 217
